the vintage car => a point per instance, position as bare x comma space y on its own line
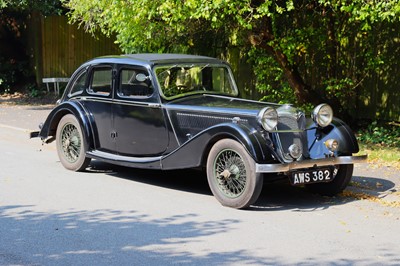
174, 111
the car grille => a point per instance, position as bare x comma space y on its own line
289, 122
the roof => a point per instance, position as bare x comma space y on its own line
170, 58
154, 59
166, 57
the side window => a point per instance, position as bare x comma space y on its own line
101, 81
134, 83
79, 85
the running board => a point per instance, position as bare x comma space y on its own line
137, 162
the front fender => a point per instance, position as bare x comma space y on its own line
49, 127
193, 152
337, 130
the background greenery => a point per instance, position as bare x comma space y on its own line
303, 51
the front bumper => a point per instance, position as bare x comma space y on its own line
314, 163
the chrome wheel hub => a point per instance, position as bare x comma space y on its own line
230, 173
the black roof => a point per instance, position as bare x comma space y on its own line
162, 58
171, 58
153, 59
167, 57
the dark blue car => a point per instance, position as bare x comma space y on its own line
173, 111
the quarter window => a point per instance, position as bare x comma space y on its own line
101, 81
79, 85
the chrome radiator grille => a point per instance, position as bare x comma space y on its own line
292, 133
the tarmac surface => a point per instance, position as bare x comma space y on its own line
120, 216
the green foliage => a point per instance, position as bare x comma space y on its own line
270, 78
46, 7
328, 48
387, 134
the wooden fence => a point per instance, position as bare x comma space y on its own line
64, 46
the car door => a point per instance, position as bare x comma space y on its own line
98, 101
139, 120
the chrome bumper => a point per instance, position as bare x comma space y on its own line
286, 167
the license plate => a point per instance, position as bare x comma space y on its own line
319, 175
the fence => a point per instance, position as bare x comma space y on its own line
64, 46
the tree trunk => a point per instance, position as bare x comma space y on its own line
303, 92
36, 46
301, 89
261, 37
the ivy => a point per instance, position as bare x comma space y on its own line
385, 134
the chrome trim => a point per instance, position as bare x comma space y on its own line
232, 98
228, 119
211, 111
287, 131
285, 167
118, 101
115, 157
93, 99
172, 126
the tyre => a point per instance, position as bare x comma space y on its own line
71, 144
231, 175
339, 183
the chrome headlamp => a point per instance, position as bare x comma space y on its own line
322, 115
268, 118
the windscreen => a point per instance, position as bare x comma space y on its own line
180, 80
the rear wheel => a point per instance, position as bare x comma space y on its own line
71, 144
339, 183
231, 175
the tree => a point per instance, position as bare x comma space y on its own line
323, 50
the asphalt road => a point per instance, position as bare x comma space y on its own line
119, 216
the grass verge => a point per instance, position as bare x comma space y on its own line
380, 155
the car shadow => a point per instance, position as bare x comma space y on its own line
192, 181
374, 186
276, 196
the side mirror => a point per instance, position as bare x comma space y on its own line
141, 77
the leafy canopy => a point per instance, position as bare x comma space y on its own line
310, 51
146, 25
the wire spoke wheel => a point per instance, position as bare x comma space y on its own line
231, 174
71, 142
71, 145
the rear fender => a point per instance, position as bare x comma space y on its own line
194, 152
49, 127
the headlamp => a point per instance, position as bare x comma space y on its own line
268, 118
322, 115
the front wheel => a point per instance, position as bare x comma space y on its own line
231, 175
343, 176
71, 145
